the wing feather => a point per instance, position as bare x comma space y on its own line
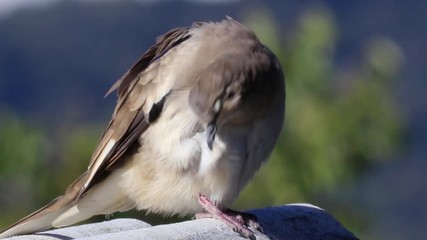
138, 90
141, 93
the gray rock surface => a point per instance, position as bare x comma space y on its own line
290, 222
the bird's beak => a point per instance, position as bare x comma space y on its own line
210, 134
212, 127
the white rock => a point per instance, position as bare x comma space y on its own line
290, 222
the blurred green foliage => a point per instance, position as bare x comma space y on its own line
338, 123
21, 154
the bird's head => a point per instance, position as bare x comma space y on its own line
235, 90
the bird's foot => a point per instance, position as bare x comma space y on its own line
238, 221
247, 219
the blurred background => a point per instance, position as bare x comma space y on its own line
354, 141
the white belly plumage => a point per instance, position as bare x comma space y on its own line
177, 166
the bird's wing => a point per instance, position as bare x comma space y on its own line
140, 100
141, 93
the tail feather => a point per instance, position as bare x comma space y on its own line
38, 221
104, 198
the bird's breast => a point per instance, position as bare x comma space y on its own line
174, 164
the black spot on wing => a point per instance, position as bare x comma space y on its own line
156, 110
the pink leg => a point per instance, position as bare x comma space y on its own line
235, 220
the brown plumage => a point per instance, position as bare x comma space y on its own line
196, 117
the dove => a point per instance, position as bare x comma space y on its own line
196, 117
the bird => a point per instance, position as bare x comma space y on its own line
196, 116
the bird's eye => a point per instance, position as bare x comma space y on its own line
230, 95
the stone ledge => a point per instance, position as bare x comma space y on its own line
290, 222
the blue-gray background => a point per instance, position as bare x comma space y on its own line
58, 58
